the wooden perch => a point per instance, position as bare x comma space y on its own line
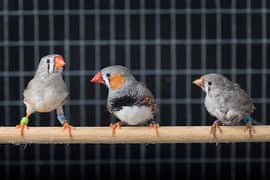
103, 135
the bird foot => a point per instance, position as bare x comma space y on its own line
214, 127
21, 127
23, 124
114, 126
155, 126
250, 129
68, 127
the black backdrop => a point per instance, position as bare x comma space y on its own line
167, 44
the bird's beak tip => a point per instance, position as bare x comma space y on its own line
59, 62
199, 82
196, 82
97, 78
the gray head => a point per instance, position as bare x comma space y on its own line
114, 77
211, 81
51, 64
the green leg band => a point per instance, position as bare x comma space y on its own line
24, 120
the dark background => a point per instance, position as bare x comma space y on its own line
167, 44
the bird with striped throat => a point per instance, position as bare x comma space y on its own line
129, 100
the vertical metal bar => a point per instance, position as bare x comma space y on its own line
51, 50
248, 80
203, 68
219, 32
112, 61
127, 63
264, 83
112, 33
21, 74
51, 32
97, 88
219, 70
158, 77
142, 78
188, 79
233, 69
173, 83
82, 82
67, 77
6, 81
6, 61
127, 33
36, 57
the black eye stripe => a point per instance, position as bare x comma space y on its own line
48, 63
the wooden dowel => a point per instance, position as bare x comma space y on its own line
103, 135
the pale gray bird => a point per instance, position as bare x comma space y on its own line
226, 101
47, 91
128, 100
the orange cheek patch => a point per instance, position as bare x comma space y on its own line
117, 81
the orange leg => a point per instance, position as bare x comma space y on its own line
114, 126
23, 123
155, 126
214, 127
250, 129
68, 127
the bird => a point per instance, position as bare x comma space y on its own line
46, 92
226, 101
129, 100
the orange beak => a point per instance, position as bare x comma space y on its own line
59, 62
199, 82
97, 78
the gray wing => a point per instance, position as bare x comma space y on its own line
134, 94
237, 104
240, 100
146, 97
229, 104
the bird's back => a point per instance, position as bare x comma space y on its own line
230, 104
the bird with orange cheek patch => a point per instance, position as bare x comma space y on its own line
226, 101
128, 100
47, 91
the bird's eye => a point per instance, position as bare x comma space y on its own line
209, 83
48, 61
108, 75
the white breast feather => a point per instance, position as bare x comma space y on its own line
134, 115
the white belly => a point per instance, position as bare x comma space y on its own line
134, 115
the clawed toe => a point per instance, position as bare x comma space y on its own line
114, 126
23, 124
155, 126
21, 127
250, 129
68, 127
214, 128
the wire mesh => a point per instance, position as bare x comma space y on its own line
167, 44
